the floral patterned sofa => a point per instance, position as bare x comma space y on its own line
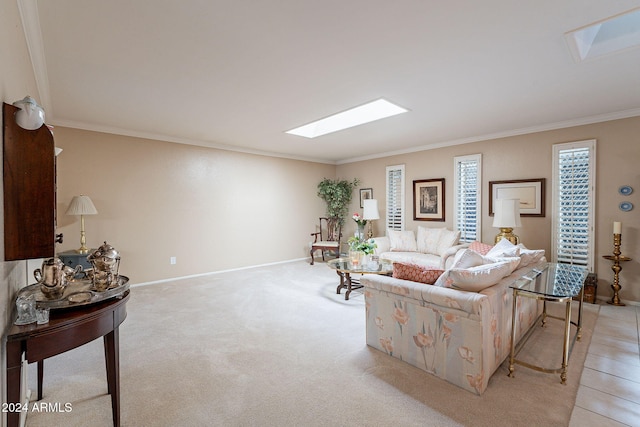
461, 336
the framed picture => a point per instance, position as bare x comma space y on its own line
529, 191
428, 200
365, 193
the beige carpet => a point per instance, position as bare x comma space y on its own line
275, 346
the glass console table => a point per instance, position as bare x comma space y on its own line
556, 283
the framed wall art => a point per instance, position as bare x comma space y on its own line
529, 191
428, 200
365, 193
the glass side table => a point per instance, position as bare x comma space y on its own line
557, 283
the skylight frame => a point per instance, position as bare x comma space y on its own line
356, 116
591, 41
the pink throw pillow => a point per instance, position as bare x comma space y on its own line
415, 273
481, 248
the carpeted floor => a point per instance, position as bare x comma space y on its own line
275, 346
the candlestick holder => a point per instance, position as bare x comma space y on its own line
616, 258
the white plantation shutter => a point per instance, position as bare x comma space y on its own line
573, 203
467, 196
395, 197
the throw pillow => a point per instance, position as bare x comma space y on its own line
402, 241
428, 239
529, 256
481, 248
503, 248
416, 273
475, 279
467, 259
447, 239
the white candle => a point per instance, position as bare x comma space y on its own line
617, 227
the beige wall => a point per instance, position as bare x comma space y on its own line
525, 157
211, 209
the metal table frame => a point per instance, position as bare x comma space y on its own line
556, 283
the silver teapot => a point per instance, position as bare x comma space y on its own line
106, 265
54, 276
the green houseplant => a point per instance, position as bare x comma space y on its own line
337, 194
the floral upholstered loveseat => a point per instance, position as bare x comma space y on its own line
461, 336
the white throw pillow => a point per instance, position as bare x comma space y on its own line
514, 262
503, 248
428, 239
529, 256
467, 259
448, 239
402, 241
475, 279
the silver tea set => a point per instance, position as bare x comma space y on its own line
54, 276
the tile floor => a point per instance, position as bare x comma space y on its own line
609, 392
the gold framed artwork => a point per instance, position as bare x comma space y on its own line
529, 191
428, 200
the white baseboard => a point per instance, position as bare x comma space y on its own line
216, 272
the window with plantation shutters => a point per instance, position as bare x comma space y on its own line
395, 197
467, 196
572, 232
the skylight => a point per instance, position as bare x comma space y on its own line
607, 36
366, 113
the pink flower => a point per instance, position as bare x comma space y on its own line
401, 316
387, 344
423, 340
476, 381
466, 354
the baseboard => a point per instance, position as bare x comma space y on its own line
216, 272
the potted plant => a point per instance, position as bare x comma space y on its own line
360, 250
337, 194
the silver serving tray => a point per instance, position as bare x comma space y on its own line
78, 292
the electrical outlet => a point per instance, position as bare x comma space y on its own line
173, 260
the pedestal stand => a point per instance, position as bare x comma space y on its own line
617, 258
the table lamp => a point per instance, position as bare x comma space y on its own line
507, 216
81, 205
370, 213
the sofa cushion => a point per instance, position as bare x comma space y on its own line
428, 239
416, 258
447, 239
416, 273
475, 279
503, 248
402, 241
481, 248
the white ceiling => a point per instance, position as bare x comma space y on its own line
239, 73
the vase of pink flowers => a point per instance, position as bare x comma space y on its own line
360, 223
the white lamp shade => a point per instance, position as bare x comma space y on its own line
370, 210
507, 213
81, 205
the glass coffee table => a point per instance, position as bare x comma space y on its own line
345, 268
557, 283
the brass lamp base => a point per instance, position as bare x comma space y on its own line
507, 233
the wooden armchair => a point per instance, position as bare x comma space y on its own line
328, 238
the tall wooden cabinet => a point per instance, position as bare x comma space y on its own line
29, 190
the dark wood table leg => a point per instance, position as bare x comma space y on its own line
40, 377
14, 373
348, 280
341, 285
112, 357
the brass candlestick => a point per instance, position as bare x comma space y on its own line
617, 258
